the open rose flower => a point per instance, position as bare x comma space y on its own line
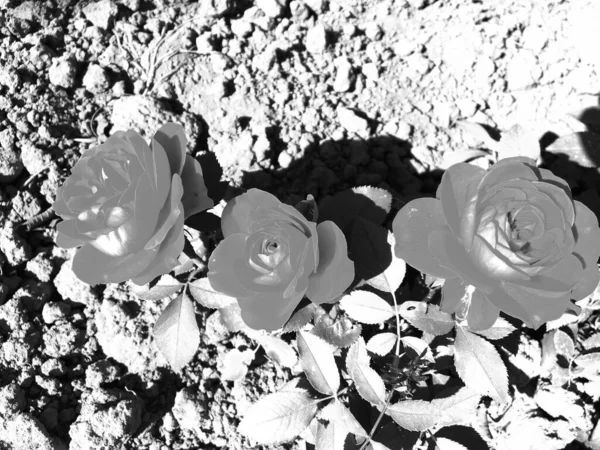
272, 256
513, 232
124, 204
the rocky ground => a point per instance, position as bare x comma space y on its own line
294, 97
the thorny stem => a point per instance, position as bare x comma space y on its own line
397, 324
381, 414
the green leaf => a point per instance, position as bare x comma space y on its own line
231, 318
382, 343
318, 362
366, 202
392, 276
279, 417
413, 415
278, 350
427, 317
380, 197
479, 365
590, 362
159, 292
499, 330
577, 147
418, 346
592, 342
479, 132
567, 318
442, 443
203, 293
373, 445
331, 436
308, 208
176, 332
372, 254
233, 364
420, 415
368, 383
301, 317
519, 141
366, 307
337, 412
461, 156
339, 332
564, 344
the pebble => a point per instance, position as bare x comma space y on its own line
349, 30
403, 130
9, 78
534, 38
240, 27
100, 13
370, 71
62, 72
404, 47
53, 367
373, 31
96, 79
62, 339
316, 39
52, 312
284, 160
16, 249
72, 288
25, 431
316, 5
522, 71
190, 409
11, 165
12, 399
344, 75
352, 122
272, 8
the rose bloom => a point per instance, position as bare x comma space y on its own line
124, 204
272, 256
513, 232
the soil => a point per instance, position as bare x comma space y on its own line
294, 97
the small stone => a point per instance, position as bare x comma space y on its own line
316, 39
119, 89
418, 63
344, 77
16, 249
349, 30
100, 13
62, 72
240, 27
203, 44
40, 267
404, 47
101, 372
272, 8
9, 78
403, 130
12, 399
316, 5
72, 288
11, 165
284, 160
352, 122
523, 71
373, 31
53, 367
190, 409
33, 294
535, 38
370, 71
51, 312
7, 138
96, 79
62, 339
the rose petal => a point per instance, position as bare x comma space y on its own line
587, 234
492, 263
505, 170
143, 153
559, 279
171, 136
482, 313
335, 271
268, 311
220, 266
548, 177
195, 195
587, 283
64, 241
93, 267
166, 258
536, 308
453, 191
236, 214
554, 217
563, 201
453, 292
412, 226
168, 215
452, 255
68, 229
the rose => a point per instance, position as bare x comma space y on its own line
272, 256
124, 204
513, 232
